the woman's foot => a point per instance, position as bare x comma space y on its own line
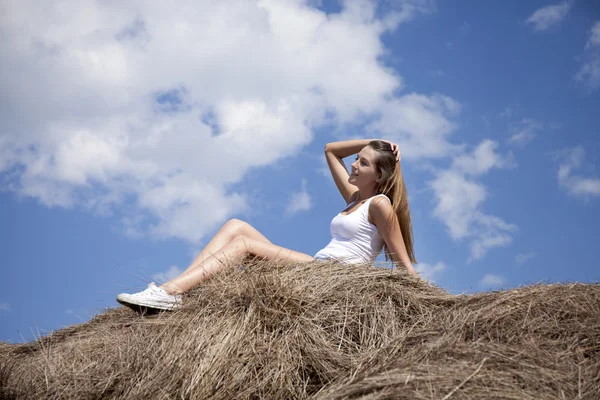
153, 297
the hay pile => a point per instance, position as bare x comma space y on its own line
324, 331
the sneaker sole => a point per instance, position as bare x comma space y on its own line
136, 304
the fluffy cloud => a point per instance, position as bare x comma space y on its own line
524, 132
481, 160
429, 272
420, 124
590, 70
594, 39
575, 185
524, 257
299, 201
4, 307
162, 110
459, 198
491, 281
549, 16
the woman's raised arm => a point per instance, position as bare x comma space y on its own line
334, 153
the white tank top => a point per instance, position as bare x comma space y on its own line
355, 240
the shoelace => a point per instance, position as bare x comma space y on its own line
152, 288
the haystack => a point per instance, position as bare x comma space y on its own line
324, 331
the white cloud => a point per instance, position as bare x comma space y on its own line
594, 39
549, 16
576, 185
323, 169
491, 281
524, 257
590, 70
490, 232
428, 272
459, 198
420, 124
4, 307
524, 132
482, 159
168, 108
299, 201
171, 273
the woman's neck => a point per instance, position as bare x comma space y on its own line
364, 194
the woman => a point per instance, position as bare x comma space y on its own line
359, 233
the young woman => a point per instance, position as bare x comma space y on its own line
377, 215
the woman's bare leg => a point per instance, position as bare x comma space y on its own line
239, 247
231, 229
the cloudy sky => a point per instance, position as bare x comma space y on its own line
130, 132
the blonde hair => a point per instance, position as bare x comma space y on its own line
392, 185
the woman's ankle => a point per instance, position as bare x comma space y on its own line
171, 289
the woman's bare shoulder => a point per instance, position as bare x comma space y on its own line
380, 206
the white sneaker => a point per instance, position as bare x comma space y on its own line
153, 297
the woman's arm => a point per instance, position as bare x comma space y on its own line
385, 220
334, 153
347, 147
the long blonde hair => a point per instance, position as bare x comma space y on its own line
392, 185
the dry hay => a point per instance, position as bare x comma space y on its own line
324, 331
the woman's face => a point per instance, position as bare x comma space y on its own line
363, 173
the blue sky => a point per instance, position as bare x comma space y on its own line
130, 134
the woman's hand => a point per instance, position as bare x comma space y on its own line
395, 149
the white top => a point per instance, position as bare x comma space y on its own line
355, 240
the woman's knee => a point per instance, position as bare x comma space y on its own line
235, 226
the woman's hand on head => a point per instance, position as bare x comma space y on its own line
395, 149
